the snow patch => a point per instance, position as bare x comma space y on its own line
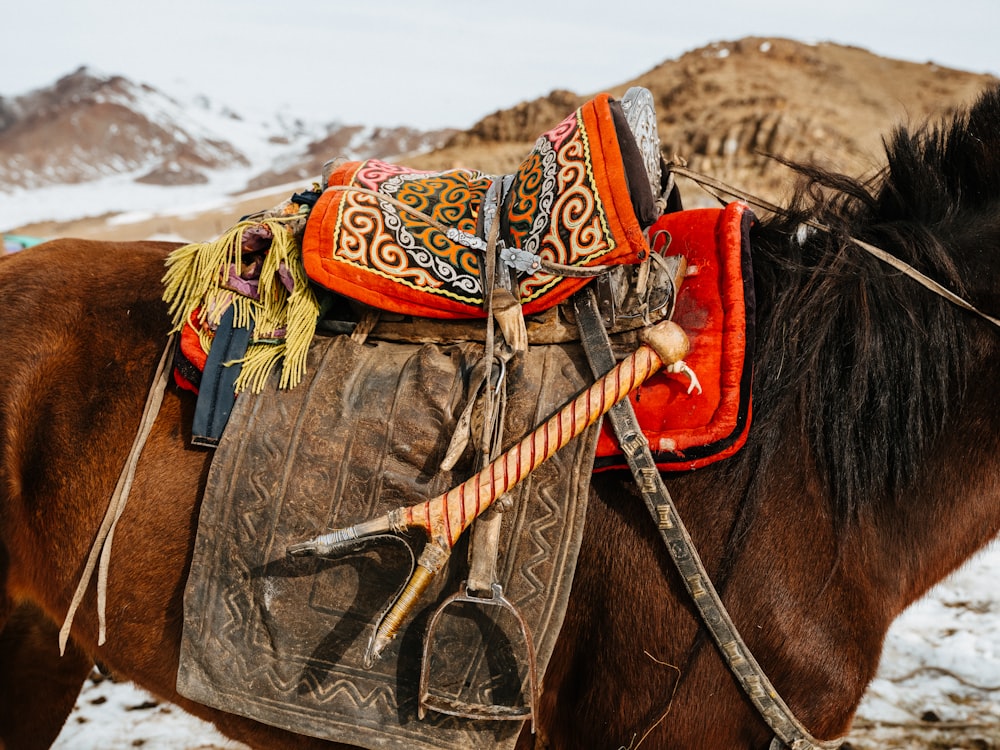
942, 656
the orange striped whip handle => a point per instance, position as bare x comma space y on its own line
447, 516
444, 518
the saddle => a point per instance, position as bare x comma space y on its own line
411, 242
432, 318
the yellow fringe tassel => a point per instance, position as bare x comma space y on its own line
194, 279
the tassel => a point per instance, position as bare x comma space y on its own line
194, 286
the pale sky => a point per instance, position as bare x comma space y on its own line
446, 62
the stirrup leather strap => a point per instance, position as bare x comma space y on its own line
748, 673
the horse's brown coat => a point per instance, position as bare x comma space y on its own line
870, 473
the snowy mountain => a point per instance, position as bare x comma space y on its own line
90, 128
87, 126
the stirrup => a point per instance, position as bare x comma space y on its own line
454, 707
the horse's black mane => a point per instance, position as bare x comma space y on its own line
851, 353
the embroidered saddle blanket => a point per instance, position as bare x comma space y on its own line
715, 306
411, 242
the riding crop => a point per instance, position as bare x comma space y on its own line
445, 517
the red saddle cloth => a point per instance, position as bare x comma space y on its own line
568, 203
715, 307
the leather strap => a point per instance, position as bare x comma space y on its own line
706, 182
484, 543
741, 662
100, 551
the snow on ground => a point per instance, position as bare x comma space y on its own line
110, 716
121, 194
938, 685
943, 658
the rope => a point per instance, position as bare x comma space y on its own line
705, 181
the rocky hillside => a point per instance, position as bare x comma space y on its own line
725, 107
89, 126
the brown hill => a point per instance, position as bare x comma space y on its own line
726, 106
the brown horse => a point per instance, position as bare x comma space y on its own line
871, 472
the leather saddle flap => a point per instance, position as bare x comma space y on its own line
715, 307
282, 640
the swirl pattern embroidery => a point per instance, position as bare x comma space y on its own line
389, 246
576, 231
381, 236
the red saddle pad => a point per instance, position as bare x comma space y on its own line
715, 306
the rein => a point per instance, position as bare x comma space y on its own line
100, 551
789, 731
705, 182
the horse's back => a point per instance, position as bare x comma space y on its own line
81, 322
55, 276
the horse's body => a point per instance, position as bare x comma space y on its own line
870, 473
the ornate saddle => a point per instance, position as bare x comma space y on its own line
439, 290
412, 242
403, 243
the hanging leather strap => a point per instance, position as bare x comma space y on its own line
741, 662
711, 185
100, 551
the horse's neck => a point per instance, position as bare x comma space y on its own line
952, 508
902, 545
830, 587
948, 508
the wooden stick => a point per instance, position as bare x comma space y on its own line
444, 518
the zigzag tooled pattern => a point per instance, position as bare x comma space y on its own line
284, 642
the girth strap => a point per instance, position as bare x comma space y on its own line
748, 673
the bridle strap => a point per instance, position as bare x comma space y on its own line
737, 655
705, 181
